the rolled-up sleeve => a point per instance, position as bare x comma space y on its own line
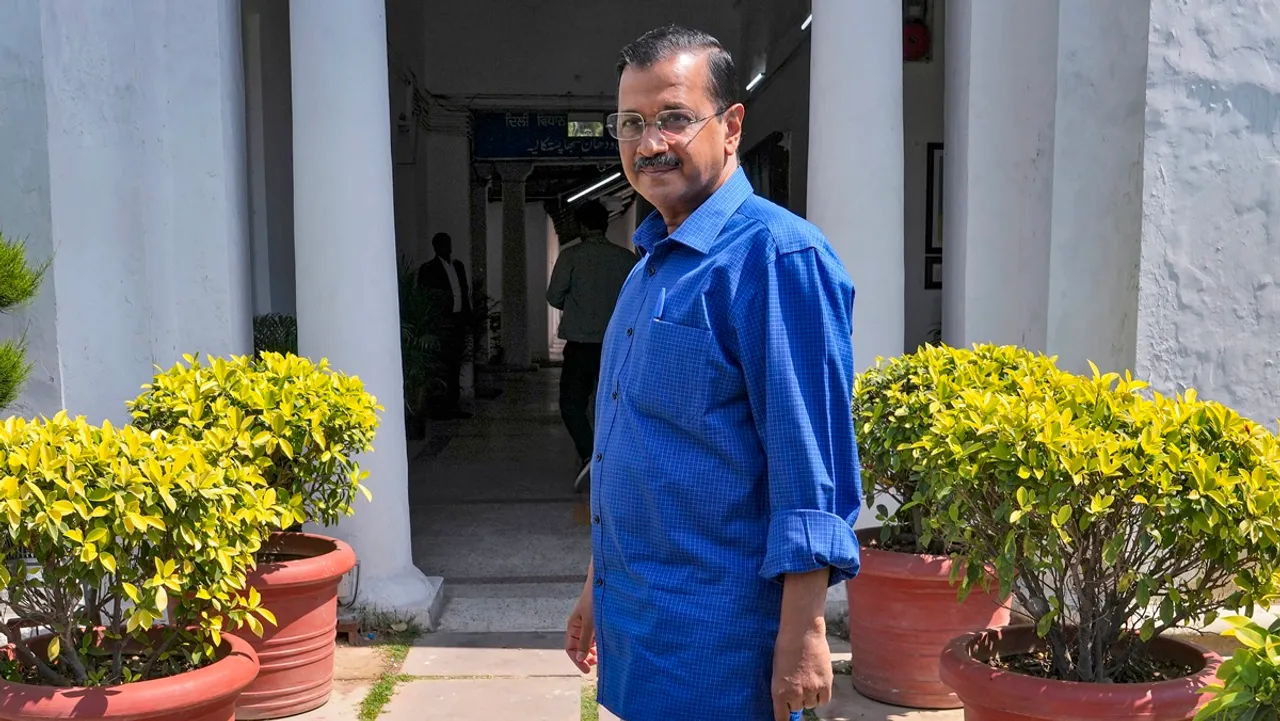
798, 364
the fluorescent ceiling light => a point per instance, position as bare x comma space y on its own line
594, 187
755, 81
805, 25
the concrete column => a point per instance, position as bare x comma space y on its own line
122, 157
1096, 226
515, 260
348, 308
480, 251
1044, 107
1001, 65
856, 160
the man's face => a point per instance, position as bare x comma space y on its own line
676, 173
444, 247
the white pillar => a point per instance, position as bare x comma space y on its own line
515, 262
132, 178
348, 307
1044, 109
855, 193
1096, 227
479, 215
1001, 64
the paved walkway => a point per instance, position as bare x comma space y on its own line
494, 513
514, 677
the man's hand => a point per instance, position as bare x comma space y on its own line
580, 631
802, 676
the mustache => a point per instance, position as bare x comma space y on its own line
666, 160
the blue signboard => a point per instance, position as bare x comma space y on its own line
531, 135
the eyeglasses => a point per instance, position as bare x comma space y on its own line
673, 124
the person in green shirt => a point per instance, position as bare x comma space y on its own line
584, 285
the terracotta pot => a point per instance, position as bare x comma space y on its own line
206, 694
903, 611
993, 695
296, 654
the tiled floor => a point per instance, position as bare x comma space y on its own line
494, 512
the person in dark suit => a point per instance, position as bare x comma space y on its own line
447, 278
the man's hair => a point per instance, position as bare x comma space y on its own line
592, 215
661, 43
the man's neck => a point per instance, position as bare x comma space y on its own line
677, 218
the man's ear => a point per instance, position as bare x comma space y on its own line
733, 128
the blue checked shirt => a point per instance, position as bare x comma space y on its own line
725, 455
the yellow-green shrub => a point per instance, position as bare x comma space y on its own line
137, 519
1250, 679
1118, 515
893, 406
300, 423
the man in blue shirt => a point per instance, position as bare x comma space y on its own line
725, 479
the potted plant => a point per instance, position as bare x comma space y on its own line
1112, 517
421, 350
120, 527
1249, 688
902, 605
302, 425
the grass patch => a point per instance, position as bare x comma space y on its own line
590, 710
389, 627
385, 687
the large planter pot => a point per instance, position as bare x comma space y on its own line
296, 654
903, 611
991, 694
206, 694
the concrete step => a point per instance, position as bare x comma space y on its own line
512, 607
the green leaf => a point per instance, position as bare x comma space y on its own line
1063, 515
1249, 637
1148, 630
1044, 624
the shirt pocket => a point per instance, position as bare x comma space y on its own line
671, 382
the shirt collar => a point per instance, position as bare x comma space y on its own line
700, 230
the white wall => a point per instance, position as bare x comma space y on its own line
1209, 311
143, 185
25, 212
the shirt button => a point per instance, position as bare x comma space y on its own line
615, 395
596, 519
652, 270
630, 331
599, 581
599, 457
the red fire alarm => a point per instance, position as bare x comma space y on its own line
915, 41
